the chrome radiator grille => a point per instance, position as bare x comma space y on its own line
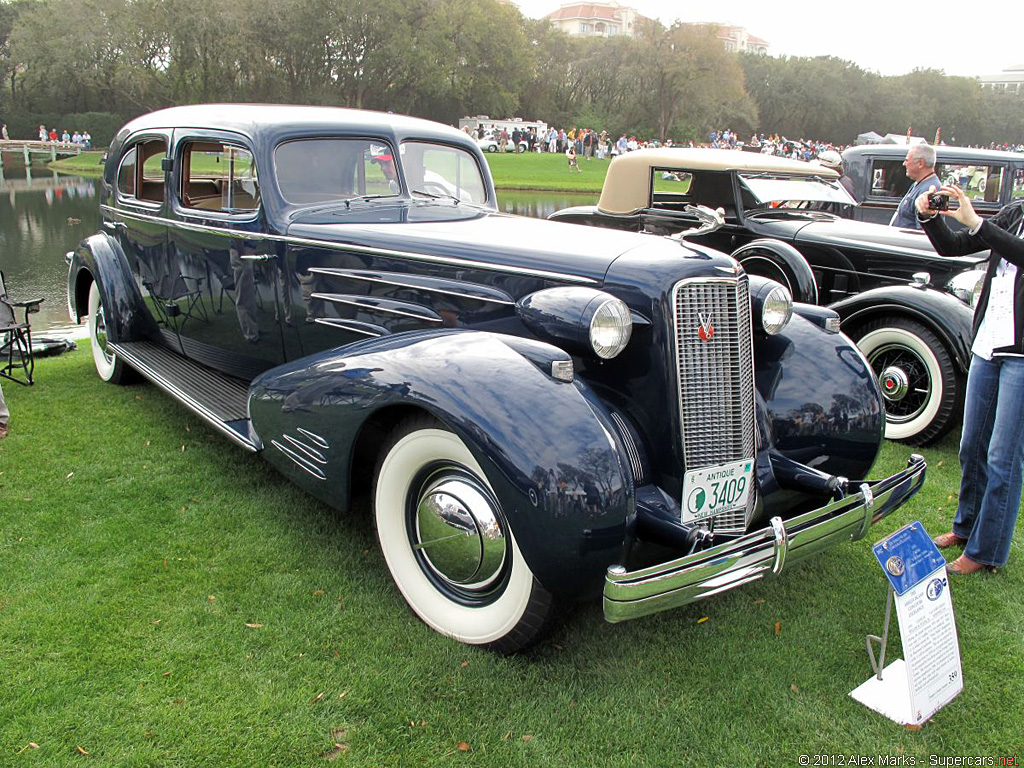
714, 355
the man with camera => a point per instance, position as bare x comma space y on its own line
920, 168
992, 444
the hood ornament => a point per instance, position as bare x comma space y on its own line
708, 220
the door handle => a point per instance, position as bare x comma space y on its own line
257, 256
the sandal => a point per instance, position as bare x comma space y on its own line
944, 540
964, 566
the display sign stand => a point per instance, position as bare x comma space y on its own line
912, 689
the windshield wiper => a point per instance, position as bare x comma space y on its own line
434, 196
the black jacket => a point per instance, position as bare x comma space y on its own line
1001, 234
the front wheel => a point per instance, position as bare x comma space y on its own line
920, 387
449, 548
108, 365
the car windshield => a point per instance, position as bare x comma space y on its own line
438, 170
324, 170
768, 190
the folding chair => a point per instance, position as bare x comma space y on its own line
16, 338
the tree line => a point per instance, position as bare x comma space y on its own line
444, 59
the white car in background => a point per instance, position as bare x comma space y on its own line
492, 144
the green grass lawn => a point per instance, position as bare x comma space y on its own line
543, 172
167, 599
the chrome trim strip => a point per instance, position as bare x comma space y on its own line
299, 461
349, 325
196, 407
351, 274
631, 449
314, 437
312, 453
334, 298
288, 239
629, 595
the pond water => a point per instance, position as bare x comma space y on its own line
43, 215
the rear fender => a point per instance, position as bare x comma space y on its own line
549, 448
945, 315
99, 258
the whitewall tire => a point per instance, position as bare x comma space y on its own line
449, 549
920, 386
108, 365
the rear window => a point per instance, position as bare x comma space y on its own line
140, 177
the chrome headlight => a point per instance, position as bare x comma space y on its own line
966, 286
772, 302
584, 320
610, 328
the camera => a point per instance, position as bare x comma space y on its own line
937, 202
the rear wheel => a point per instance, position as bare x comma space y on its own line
922, 392
449, 548
108, 365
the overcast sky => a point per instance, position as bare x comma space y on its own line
895, 37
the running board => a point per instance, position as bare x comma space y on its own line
219, 400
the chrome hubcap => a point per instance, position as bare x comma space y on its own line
457, 531
100, 335
895, 383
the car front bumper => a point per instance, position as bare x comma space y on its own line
631, 594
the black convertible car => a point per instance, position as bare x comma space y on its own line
908, 309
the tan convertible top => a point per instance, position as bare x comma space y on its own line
627, 188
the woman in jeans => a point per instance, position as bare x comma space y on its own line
992, 444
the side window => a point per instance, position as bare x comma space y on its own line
1018, 183
217, 176
888, 179
671, 188
141, 175
981, 182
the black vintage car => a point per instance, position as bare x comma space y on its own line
909, 309
990, 178
535, 410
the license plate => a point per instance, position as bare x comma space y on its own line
712, 490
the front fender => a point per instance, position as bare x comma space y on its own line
818, 404
548, 447
948, 317
99, 258
780, 257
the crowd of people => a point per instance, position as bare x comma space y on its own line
588, 144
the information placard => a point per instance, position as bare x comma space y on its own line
912, 689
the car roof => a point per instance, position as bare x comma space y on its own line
273, 120
943, 151
627, 186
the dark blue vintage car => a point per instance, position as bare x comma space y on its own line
536, 410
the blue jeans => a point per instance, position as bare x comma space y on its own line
992, 458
